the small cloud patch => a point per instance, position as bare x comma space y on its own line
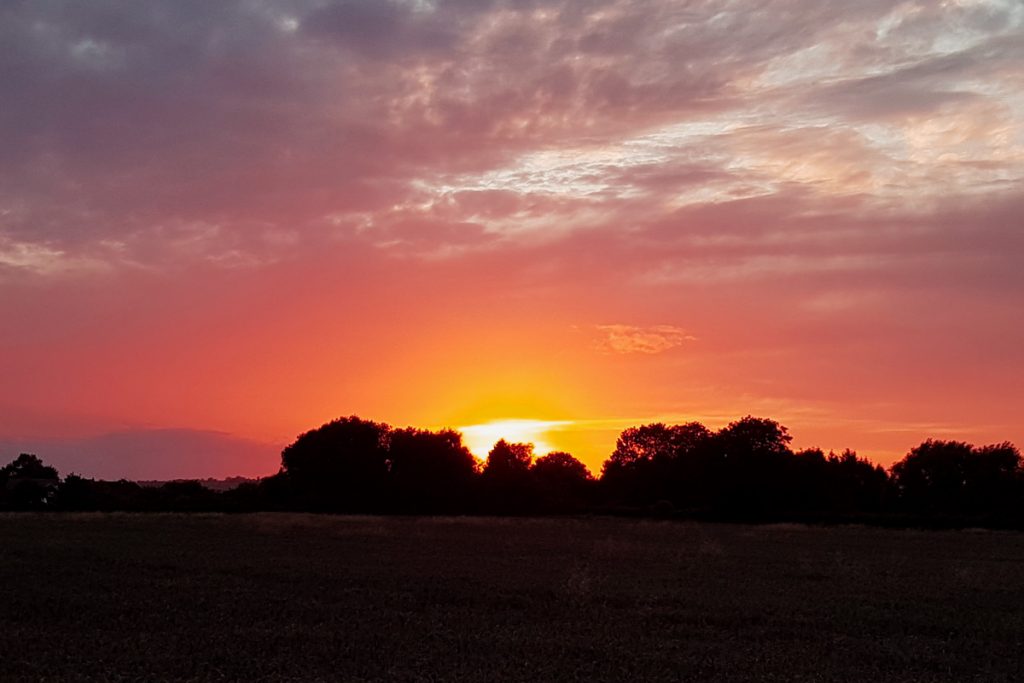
628, 339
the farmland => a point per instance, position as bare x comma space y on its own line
306, 597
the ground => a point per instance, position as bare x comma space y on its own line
297, 597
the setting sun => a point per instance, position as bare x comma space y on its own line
480, 438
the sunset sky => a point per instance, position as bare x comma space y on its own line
225, 223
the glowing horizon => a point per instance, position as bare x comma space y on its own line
481, 438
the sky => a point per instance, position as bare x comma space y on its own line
223, 224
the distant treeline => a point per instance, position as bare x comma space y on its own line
745, 471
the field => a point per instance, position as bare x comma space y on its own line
296, 597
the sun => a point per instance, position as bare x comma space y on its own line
480, 438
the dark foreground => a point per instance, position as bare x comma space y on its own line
293, 597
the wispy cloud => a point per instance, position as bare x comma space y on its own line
373, 120
626, 339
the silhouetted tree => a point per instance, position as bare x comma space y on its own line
341, 466
429, 471
562, 483
856, 484
693, 467
27, 466
754, 437
833, 484
807, 481
739, 469
275, 492
357, 465
654, 462
955, 478
505, 478
77, 493
509, 461
644, 444
749, 474
27, 484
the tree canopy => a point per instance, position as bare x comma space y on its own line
745, 470
954, 477
27, 483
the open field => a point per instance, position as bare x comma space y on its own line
276, 596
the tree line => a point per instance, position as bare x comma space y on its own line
745, 471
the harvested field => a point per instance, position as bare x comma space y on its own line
304, 597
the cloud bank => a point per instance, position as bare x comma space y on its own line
157, 132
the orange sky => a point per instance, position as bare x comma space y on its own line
220, 227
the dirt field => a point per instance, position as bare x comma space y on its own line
295, 597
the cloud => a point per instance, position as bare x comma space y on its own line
629, 339
133, 125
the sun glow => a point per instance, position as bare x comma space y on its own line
480, 438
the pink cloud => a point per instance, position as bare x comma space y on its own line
646, 340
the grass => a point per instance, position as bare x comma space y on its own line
302, 597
